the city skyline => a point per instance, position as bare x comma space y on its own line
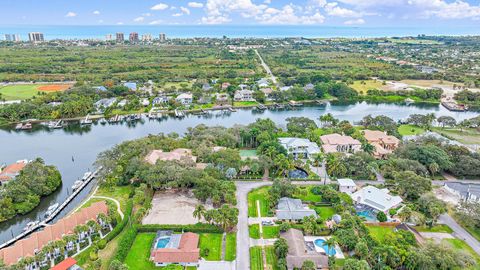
243, 12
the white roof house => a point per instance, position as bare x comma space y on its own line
293, 209
346, 185
299, 147
184, 98
376, 198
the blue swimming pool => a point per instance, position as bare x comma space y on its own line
163, 242
368, 215
330, 251
297, 174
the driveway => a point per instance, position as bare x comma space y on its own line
460, 232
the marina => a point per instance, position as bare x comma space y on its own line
51, 213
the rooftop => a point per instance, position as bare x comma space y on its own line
297, 251
376, 198
293, 209
186, 251
11, 171
346, 182
337, 139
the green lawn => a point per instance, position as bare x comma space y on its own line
212, 241
269, 232
325, 212
466, 136
363, 86
19, 92
120, 193
410, 130
271, 258
245, 103
305, 194
231, 247
139, 255
379, 232
461, 245
437, 228
256, 261
260, 194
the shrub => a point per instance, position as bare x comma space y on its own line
102, 243
125, 243
392, 212
121, 224
381, 217
93, 256
205, 252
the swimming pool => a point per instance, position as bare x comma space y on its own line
297, 174
368, 215
330, 251
162, 242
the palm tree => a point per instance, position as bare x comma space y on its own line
331, 243
199, 212
283, 164
318, 159
368, 148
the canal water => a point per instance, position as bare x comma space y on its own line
74, 149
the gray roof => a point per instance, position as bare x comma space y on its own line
293, 209
297, 251
465, 189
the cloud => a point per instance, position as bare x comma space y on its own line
217, 11
177, 14
185, 10
333, 9
195, 4
119, 23
139, 19
100, 21
354, 22
146, 14
156, 22
288, 15
71, 14
160, 6
96, 12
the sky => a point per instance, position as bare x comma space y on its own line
242, 12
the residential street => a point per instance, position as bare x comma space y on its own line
459, 232
267, 69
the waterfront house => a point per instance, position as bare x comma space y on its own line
466, 191
145, 102
293, 210
184, 99
225, 85
308, 87
346, 185
243, 95
332, 143
11, 171
160, 100
267, 92
132, 86
170, 248
298, 253
377, 199
104, 103
221, 98
300, 148
384, 144
180, 154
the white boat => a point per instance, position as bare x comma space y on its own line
55, 125
31, 225
51, 209
86, 175
77, 184
86, 121
19, 126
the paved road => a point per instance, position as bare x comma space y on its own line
459, 232
267, 69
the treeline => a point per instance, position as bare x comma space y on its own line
424, 94
468, 97
21, 195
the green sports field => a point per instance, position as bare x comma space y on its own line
26, 91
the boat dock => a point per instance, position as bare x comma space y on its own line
55, 213
454, 107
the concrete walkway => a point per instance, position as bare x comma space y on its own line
460, 232
93, 196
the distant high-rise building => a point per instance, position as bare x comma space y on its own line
146, 37
133, 37
36, 37
8, 37
162, 37
119, 37
16, 37
108, 37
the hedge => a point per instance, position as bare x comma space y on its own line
119, 228
125, 244
197, 228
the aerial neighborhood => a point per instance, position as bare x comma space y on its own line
143, 152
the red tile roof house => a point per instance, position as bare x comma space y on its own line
29, 247
169, 248
67, 264
332, 143
11, 171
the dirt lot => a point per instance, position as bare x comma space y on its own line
54, 87
172, 207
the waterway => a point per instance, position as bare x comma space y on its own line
74, 149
